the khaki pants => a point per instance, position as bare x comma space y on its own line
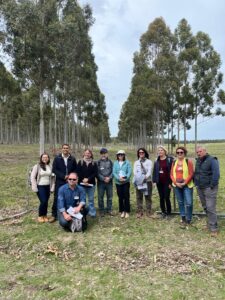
148, 198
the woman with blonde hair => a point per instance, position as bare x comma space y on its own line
161, 176
87, 172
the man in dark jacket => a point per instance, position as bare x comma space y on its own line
206, 179
105, 185
63, 165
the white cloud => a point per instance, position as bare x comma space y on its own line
118, 27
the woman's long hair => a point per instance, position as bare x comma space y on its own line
43, 165
145, 151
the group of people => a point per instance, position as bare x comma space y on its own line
73, 182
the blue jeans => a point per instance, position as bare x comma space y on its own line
102, 188
90, 192
185, 201
66, 224
43, 195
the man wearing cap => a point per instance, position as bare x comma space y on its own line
105, 169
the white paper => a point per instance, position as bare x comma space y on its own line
71, 212
86, 184
142, 186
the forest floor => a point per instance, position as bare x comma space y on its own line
148, 258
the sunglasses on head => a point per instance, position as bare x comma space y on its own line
72, 179
180, 152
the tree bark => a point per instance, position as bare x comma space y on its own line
42, 131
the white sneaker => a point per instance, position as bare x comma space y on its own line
127, 215
123, 214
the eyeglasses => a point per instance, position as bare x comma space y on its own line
72, 179
180, 152
141, 152
120, 154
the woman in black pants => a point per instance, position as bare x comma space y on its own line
161, 176
122, 173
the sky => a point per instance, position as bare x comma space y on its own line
116, 32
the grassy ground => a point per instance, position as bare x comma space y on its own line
114, 258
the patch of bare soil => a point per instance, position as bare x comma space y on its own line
166, 260
12, 158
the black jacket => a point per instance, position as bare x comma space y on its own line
61, 170
89, 171
155, 176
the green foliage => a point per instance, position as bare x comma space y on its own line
51, 51
176, 78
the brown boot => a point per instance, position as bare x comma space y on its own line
41, 219
51, 219
214, 233
139, 214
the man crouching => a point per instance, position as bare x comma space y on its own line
71, 205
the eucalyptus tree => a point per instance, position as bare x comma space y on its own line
150, 84
77, 79
207, 79
10, 106
187, 52
29, 37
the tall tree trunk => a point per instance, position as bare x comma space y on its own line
55, 123
144, 134
73, 127
185, 129
65, 127
168, 137
18, 131
1, 129
196, 127
42, 131
178, 126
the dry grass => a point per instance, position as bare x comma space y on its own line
114, 259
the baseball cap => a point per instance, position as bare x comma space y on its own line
121, 152
103, 150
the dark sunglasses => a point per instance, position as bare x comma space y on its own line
141, 152
180, 152
72, 179
120, 154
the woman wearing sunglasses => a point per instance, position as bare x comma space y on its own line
143, 182
182, 172
161, 176
122, 173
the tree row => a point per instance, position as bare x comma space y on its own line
50, 91
176, 79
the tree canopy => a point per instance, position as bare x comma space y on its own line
176, 78
54, 69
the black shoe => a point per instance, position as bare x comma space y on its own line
163, 215
110, 213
